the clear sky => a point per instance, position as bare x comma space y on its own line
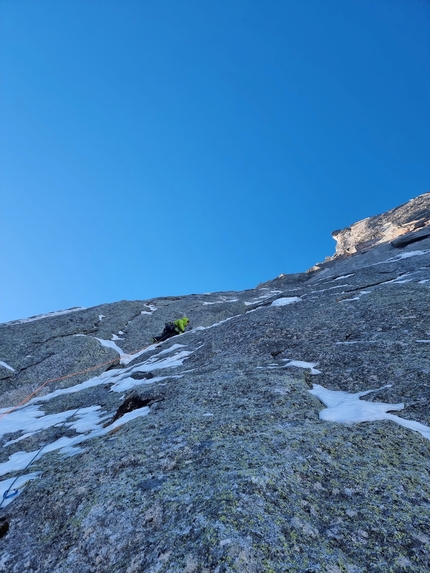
165, 147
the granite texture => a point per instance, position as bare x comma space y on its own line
232, 470
403, 225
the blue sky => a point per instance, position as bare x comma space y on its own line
163, 147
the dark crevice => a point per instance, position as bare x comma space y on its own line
131, 319
21, 370
134, 402
410, 238
115, 366
142, 375
372, 284
4, 526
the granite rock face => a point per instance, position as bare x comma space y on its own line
400, 226
227, 466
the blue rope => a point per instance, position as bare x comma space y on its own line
5, 496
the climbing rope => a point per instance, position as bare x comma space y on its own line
11, 491
7, 494
27, 398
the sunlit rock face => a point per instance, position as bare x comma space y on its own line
286, 431
401, 226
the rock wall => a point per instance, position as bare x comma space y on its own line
402, 225
207, 453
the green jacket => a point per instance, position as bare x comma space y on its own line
181, 323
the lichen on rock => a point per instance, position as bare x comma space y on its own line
214, 457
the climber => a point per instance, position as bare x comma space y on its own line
172, 329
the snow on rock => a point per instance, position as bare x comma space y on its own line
115, 337
113, 377
363, 292
16, 486
221, 300
346, 408
6, 366
285, 300
263, 297
30, 420
151, 310
301, 364
409, 254
110, 344
89, 424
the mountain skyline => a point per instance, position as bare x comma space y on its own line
164, 148
287, 430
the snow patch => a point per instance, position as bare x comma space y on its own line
124, 357
301, 364
222, 299
110, 344
89, 421
285, 300
31, 420
17, 484
263, 297
410, 254
198, 328
327, 289
103, 378
115, 376
115, 337
358, 342
363, 292
151, 310
346, 408
407, 255
128, 383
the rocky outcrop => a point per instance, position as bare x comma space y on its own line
207, 453
401, 226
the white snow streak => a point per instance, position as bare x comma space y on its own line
6, 366
263, 297
67, 446
151, 310
343, 277
285, 300
301, 364
86, 422
110, 344
356, 297
18, 486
